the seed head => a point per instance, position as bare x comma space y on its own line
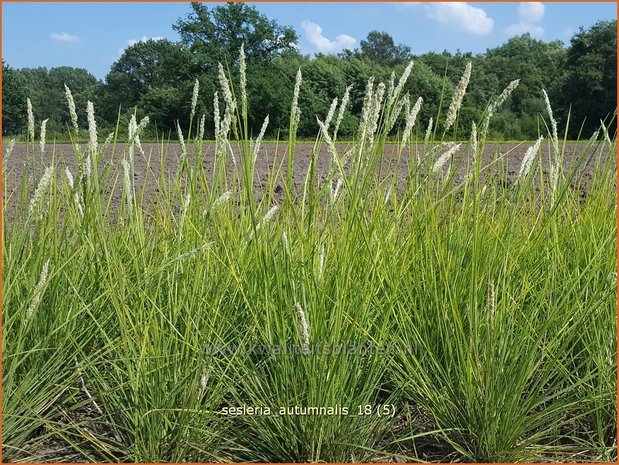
86, 169
77, 199
428, 130
529, 156
440, 162
296, 112
243, 72
128, 184
43, 131
132, 130
393, 116
69, 177
474, 140
231, 152
375, 116
553, 124
491, 301
143, 123
303, 328
340, 115
92, 126
322, 262
181, 140
9, 149
259, 138
366, 112
225, 87
286, 243
194, 98
224, 127
107, 141
456, 100
72, 112
270, 214
138, 143
496, 104
604, 129
505, 94
201, 128
183, 215
410, 119
219, 201
30, 120
216, 114
402, 81
335, 190
38, 291
331, 112
42, 187
79, 203
391, 88
328, 141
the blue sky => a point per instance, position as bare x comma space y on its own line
93, 35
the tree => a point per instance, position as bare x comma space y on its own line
425, 83
216, 34
13, 101
83, 87
35, 82
537, 64
590, 85
142, 69
45, 88
270, 86
380, 48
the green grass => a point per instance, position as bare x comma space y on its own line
493, 306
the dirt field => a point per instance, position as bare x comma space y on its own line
148, 168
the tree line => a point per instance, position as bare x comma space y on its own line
156, 78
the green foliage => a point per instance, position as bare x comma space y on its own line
589, 84
380, 48
46, 90
427, 84
216, 34
537, 64
13, 101
151, 75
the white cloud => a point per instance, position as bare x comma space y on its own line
131, 42
530, 14
64, 37
313, 32
460, 16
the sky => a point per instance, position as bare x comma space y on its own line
94, 35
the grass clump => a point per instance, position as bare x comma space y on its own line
426, 305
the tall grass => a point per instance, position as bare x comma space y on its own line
454, 316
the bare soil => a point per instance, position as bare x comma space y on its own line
162, 161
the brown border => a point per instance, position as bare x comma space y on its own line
1, 245
288, 1
617, 265
282, 1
